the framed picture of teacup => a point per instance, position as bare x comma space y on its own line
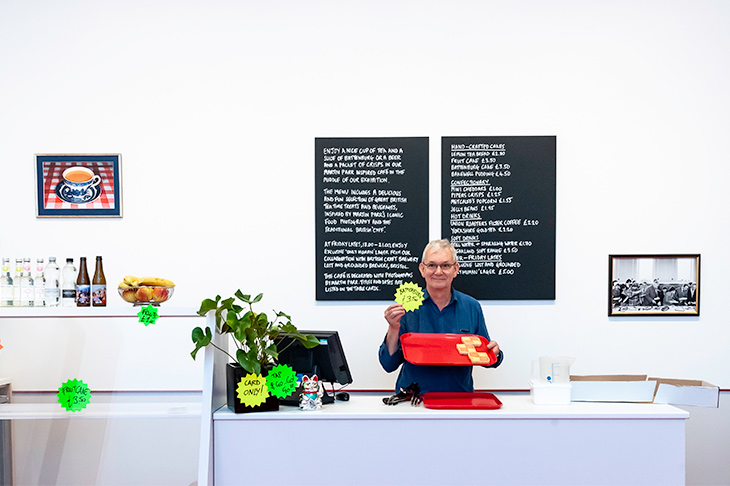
79, 185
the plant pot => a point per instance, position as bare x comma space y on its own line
234, 373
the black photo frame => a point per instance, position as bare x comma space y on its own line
98, 197
654, 285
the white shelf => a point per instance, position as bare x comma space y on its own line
41, 411
91, 312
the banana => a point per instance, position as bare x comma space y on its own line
124, 284
155, 282
131, 280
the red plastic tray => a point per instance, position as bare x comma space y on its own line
461, 400
423, 348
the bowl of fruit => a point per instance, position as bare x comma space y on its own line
146, 290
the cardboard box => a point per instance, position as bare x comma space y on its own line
612, 388
686, 392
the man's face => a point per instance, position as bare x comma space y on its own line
437, 277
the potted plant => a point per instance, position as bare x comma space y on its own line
254, 335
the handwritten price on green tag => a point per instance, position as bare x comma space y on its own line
409, 295
74, 395
281, 381
148, 315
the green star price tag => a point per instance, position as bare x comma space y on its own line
148, 315
409, 295
281, 381
74, 395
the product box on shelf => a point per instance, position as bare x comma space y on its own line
612, 388
696, 393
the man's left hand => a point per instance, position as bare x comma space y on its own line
494, 347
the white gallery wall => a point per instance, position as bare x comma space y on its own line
214, 106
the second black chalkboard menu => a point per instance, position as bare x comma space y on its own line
498, 209
371, 212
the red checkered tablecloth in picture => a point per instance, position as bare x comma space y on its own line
52, 172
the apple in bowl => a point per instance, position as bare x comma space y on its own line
160, 294
145, 295
130, 295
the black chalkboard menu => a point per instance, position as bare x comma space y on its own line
498, 209
371, 212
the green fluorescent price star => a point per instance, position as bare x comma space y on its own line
74, 395
148, 315
282, 381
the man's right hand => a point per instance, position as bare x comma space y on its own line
393, 314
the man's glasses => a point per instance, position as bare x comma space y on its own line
444, 266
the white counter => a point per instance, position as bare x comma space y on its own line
368, 406
365, 442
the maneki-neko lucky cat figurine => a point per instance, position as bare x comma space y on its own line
311, 397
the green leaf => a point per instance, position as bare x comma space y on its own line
261, 326
272, 351
238, 327
228, 303
240, 333
219, 317
241, 296
310, 341
251, 340
282, 314
289, 328
247, 363
208, 305
258, 298
201, 339
232, 319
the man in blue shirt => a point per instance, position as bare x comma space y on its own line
444, 310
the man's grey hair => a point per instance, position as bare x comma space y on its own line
437, 245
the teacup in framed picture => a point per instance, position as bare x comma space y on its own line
654, 285
78, 185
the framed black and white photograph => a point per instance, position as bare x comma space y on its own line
78, 185
654, 285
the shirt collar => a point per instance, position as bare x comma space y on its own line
454, 296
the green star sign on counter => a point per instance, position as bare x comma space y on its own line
74, 395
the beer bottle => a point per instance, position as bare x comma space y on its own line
98, 285
83, 286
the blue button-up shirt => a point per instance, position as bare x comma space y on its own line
462, 315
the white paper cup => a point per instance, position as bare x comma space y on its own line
555, 369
